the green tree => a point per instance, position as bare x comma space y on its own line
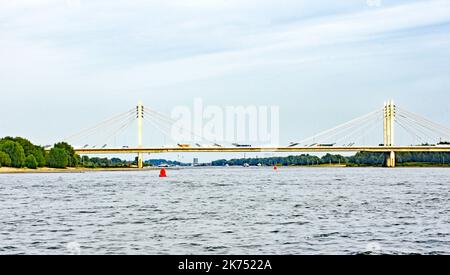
31, 162
58, 158
39, 154
27, 146
334, 159
15, 152
30, 149
5, 160
74, 159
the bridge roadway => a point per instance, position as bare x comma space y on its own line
316, 149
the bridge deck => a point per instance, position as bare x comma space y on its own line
317, 149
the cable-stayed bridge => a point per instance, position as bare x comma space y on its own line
426, 136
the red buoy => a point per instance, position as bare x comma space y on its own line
162, 173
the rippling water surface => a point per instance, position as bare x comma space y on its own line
228, 211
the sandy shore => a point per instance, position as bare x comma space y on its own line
8, 170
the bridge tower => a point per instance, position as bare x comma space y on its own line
140, 116
389, 122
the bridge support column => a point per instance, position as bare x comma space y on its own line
389, 120
390, 160
140, 116
140, 161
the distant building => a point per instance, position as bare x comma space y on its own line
195, 162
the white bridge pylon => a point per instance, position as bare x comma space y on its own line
388, 130
140, 117
427, 135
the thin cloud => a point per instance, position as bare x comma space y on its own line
292, 44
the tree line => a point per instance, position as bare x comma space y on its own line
359, 159
19, 152
157, 162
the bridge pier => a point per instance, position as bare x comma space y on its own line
390, 160
140, 161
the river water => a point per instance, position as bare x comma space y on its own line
228, 211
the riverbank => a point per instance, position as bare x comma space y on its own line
9, 170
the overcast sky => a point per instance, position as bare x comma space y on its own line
66, 65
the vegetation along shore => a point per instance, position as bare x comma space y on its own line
19, 155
